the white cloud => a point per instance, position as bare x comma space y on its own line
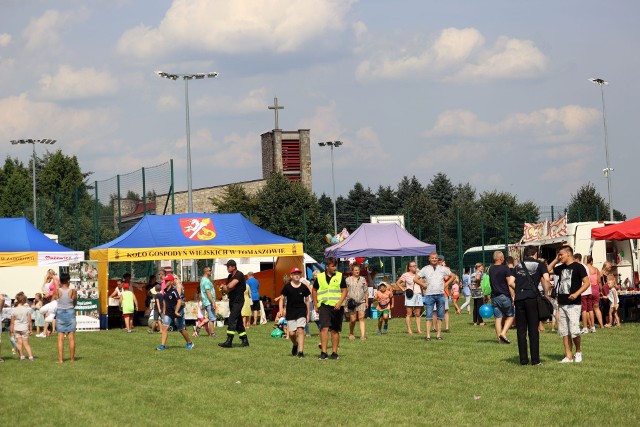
456, 55
255, 100
236, 26
23, 118
551, 125
81, 83
5, 39
44, 31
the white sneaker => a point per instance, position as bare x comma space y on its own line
593, 329
584, 331
578, 357
566, 360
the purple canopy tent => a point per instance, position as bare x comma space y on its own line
379, 240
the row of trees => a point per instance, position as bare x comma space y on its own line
451, 215
65, 204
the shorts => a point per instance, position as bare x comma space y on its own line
127, 315
437, 302
330, 317
179, 321
569, 320
255, 305
298, 323
359, 308
21, 334
66, 320
446, 305
211, 313
502, 306
383, 312
50, 318
586, 303
156, 315
456, 297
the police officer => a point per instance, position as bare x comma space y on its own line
235, 288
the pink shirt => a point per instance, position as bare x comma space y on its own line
455, 289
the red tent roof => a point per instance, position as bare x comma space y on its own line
621, 231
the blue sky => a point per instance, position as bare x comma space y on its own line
494, 93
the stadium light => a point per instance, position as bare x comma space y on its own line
186, 78
332, 145
607, 171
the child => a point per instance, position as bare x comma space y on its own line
201, 316
20, 327
39, 318
614, 319
297, 310
49, 312
455, 290
384, 298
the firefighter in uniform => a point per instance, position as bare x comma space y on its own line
234, 288
329, 293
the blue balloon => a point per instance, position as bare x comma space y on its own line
486, 311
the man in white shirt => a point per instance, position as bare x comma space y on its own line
437, 278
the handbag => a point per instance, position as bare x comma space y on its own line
545, 308
351, 304
409, 293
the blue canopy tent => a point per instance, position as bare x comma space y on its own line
190, 236
24, 245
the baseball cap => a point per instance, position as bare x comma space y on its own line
295, 270
169, 278
231, 263
125, 286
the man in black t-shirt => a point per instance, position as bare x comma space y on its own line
234, 289
573, 280
297, 312
526, 301
502, 290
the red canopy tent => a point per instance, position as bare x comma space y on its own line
621, 231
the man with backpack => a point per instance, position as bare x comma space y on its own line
526, 301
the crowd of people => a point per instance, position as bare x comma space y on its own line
579, 293
53, 307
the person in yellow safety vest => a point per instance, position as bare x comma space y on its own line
329, 293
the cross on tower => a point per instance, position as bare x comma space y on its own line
276, 107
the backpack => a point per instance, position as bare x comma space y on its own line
485, 284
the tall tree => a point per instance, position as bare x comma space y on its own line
16, 196
288, 209
235, 199
360, 204
408, 188
498, 207
588, 205
387, 202
442, 191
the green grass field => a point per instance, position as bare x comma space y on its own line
393, 379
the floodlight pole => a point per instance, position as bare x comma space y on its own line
186, 78
33, 164
332, 144
607, 171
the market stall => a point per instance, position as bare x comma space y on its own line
190, 237
26, 254
380, 240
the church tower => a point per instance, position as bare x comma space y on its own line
288, 152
